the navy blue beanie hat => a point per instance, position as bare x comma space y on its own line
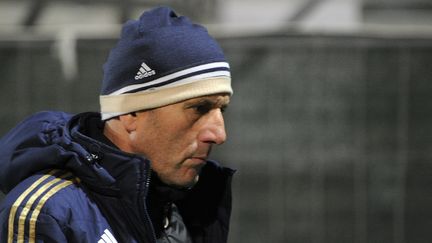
161, 59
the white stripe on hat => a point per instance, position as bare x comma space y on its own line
179, 74
197, 78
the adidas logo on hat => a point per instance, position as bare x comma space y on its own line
144, 71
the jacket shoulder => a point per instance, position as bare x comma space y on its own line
27, 144
51, 205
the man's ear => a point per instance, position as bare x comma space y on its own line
129, 122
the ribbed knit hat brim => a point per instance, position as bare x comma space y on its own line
116, 105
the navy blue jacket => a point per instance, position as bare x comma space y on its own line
64, 186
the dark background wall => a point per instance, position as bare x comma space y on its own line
330, 134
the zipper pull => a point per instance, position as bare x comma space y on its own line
166, 223
167, 213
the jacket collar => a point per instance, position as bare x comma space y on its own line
115, 172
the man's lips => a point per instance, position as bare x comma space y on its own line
200, 158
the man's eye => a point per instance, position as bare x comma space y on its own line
202, 109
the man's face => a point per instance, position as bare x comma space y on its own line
177, 138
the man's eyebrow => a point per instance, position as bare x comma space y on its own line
206, 102
200, 102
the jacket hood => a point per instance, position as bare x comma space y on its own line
43, 141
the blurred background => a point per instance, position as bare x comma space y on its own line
330, 124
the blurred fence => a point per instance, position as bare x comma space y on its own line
331, 135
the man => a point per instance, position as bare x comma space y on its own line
138, 170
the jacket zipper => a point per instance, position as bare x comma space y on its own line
143, 208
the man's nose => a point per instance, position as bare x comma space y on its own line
213, 128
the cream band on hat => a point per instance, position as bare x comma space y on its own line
116, 105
